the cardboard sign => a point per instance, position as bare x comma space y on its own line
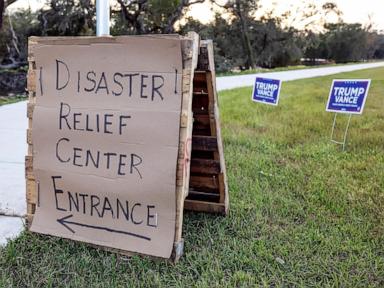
105, 142
266, 91
348, 96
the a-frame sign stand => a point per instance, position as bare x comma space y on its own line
201, 183
208, 191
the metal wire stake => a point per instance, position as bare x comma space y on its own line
333, 126
345, 132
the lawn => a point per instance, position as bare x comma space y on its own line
302, 213
278, 69
11, 99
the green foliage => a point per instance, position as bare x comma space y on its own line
160, 9
302, 212
272, 45
24, 24
344, 42
68, 18
314, 45
10, 100
241, 41
148, 16
379, 51
275, 46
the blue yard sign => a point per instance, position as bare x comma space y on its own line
266, 91
348, 96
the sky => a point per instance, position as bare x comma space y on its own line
353, 10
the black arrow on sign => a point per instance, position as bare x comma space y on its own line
64, 221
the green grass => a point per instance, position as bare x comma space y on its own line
11, 99
302, 214
16, 98
278, 69
265, 70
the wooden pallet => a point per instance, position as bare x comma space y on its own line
208, 190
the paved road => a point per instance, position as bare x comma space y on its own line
13, 125
230, 82
13, 148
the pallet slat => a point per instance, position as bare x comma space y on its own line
204, 183
203, 196
205, 166
202, 206
204, 143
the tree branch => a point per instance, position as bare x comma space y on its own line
227, 5
133, 18
3, 5
176, 15
14, 37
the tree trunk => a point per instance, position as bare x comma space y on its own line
3, 5
251, 62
